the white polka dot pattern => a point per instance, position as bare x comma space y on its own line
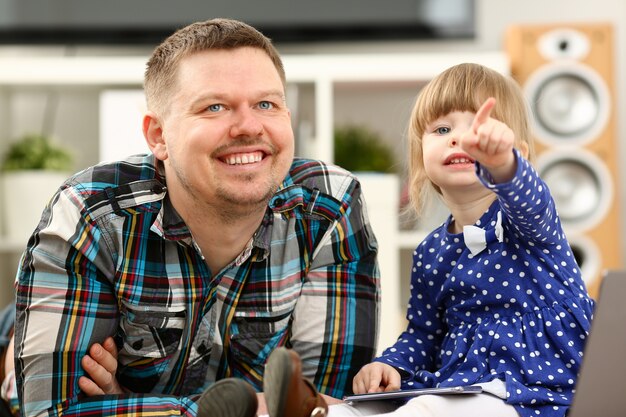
518, 311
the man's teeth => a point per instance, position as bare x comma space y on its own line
243, 159
460, 161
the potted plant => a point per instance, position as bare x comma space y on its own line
32, 169
363, 152
359, 149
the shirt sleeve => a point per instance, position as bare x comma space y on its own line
65, 303
335, 323
526, 202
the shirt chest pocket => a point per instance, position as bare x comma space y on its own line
151, 331
253, 331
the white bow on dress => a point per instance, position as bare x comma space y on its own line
476, 238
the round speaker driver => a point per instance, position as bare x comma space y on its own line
570, 102
566, 105
576, 189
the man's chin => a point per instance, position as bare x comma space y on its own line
246, 198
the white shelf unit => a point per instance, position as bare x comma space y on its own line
324, 77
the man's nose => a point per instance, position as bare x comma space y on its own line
246, 123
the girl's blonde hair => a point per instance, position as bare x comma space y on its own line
463, 87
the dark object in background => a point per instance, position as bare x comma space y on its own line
148, 22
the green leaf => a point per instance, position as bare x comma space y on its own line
36, 152
360, 149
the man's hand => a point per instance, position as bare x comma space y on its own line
490, 142
101, 366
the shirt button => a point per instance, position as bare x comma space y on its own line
279, 202
157, 188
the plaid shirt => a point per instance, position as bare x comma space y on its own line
111, 257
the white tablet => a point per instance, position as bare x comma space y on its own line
406, 394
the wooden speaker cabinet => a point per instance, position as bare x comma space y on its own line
567, 73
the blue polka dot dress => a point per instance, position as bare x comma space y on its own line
517, 312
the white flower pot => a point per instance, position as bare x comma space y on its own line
24, 197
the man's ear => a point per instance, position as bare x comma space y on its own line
153, 133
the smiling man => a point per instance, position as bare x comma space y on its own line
202, 257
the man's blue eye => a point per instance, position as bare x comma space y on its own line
265, 105
215, 107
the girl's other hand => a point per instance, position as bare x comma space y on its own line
376, 377
101, 366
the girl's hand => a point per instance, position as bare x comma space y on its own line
101, 366
490, 142
376, 377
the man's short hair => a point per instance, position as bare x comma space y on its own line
214, 34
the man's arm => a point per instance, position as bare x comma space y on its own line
335, 326
65, 304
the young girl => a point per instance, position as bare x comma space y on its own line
497, 298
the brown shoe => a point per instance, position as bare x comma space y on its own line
230, 397
287, 392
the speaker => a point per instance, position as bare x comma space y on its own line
566, 72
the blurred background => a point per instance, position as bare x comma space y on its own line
70, 93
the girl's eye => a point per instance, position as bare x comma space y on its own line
442, 130
265, 105
215, 107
